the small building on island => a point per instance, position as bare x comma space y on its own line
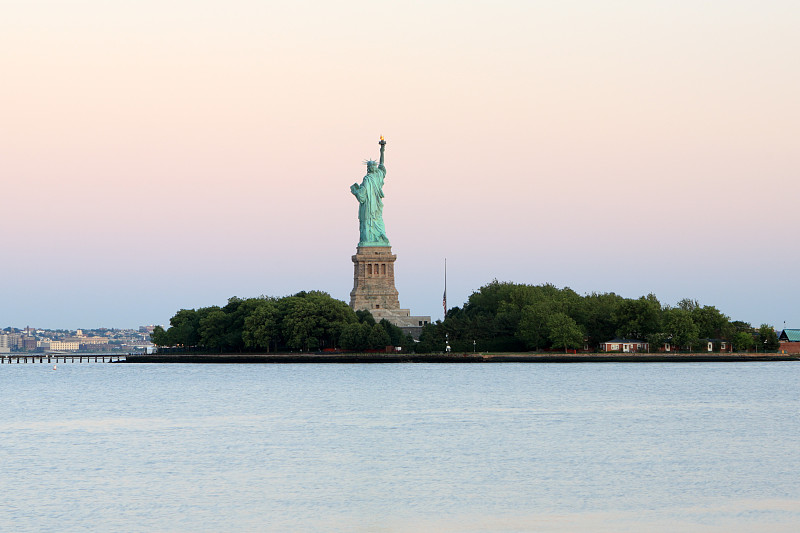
718, 345
789, 341
625, 345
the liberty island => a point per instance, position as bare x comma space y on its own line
500, 322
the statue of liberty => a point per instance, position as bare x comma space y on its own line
370, 209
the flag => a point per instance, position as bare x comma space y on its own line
444, 296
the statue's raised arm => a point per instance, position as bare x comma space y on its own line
372, 232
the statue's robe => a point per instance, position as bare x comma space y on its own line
370, 210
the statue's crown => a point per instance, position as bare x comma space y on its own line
370, 162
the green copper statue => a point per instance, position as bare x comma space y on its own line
370, 208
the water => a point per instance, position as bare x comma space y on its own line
504, 447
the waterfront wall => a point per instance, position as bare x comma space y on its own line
460, 358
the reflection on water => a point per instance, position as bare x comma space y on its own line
512, 447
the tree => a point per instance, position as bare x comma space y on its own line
313, 320
378, 338
354, 336
533, 328
600, 310
363, 315
637, 319
395, 333
300, 324
408, 345
431, 339
159, 337
213, 328
656, 340
261, 327
743, 341
237, 310
711, 324
564, 331
767, 338
184, 328
679, 326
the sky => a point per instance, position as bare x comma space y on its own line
170, 154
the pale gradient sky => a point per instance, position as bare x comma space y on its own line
159, 155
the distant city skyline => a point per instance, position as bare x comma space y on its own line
159, 156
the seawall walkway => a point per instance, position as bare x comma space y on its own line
459, 358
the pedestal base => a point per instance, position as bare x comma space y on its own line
374, 289
373, 279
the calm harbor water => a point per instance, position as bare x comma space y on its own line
404, 447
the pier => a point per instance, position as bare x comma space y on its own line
61, 358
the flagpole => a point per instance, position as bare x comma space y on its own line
444, 297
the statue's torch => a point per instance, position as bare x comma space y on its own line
382, 142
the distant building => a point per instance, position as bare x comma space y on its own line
14, 341
5, 344
789, 341
625, 345
29, 344
718, 345
64, 346
87, 340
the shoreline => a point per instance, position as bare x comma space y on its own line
357, 358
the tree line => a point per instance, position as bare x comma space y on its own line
500, 316
307, 321
504, 316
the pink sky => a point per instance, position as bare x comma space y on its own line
167, 155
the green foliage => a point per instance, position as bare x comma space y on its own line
394, 333
306, 321
354, 336
767, 338
313, 321
500, 316
711, 324
432, 339
363, 315
564, 331
680, 328
636, 319
600, 310
532, 328
159, 337
184, 328
504, 316
214, 329
261, 327
378, 338
743, 341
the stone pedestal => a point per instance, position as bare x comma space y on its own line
374, 289
373, 279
